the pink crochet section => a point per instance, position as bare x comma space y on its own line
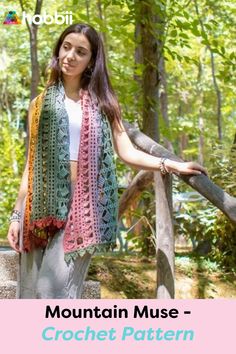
82, 226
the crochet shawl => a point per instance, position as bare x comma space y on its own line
89, 217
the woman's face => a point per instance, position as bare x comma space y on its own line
74, 55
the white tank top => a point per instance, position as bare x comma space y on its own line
74, 112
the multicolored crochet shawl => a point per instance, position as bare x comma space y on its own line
89, 216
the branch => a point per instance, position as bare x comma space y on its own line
26, 20
135, 188
38, 7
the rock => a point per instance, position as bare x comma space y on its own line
8, 290
8, 265
91, 290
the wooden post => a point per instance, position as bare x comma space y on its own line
165, 236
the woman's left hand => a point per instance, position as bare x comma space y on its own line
184, 168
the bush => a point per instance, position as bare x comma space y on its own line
202, 221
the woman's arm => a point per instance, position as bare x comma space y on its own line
24, 181
14, 228
141, 160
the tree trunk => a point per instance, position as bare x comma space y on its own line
150, 78
150, 81
149, 85
33, 30
138, 60
152, 30
200, 116
87, 4
138, 52
218, 97
34, 62
164, 101
216, 87
102, 18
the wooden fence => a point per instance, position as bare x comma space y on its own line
164, 220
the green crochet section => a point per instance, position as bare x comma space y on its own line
51, 184
107, 186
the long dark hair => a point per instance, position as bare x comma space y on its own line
95, 79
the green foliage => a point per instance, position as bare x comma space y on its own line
144, 215
224, 251
11, 166
224, 173
205, 223
196, 220
200, 221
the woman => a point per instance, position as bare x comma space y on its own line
67, 204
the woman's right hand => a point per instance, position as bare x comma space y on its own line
185, 168
13, 235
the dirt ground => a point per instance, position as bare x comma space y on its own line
132, 277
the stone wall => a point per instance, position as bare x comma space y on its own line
8, 278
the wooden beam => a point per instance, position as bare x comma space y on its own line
201, 183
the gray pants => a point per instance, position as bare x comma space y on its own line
44, 274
